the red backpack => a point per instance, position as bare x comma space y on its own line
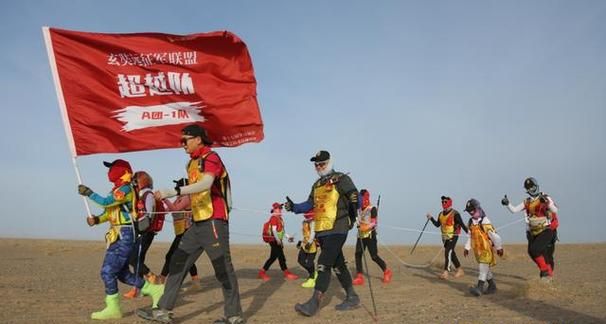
268, 235
144, 223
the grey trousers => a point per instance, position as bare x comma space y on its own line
211, 236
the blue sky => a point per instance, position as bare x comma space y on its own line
414, 99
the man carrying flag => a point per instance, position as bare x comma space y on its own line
210, 196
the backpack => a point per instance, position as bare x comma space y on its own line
145, 223
268, 235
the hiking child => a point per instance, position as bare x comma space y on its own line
118, 212
483, 239
308, 248
273, 234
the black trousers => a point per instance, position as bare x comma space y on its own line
331, 257
193, 271
277, 252
542, 244
371, 244
137, 257
450, 254
306, 260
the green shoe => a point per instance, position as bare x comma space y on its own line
155, 291
111, 310
309, 283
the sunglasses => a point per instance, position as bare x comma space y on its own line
184, 140
319, 164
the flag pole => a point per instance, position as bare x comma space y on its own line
63, 109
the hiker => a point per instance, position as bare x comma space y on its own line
273, 234
308, 248
541, 226
181, 211
483, 239
147, 225
210, 195
450, 223
334, 201
367, 238
118, 211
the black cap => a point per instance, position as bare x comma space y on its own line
445, 198
197, 131
321, 156
118, 162
472, 204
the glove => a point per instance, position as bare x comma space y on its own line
466, 253
84, 190
308, 245
180, 183
299, 244
291, 239
288, 205
429, 216
90, 220
505, 201
500, 252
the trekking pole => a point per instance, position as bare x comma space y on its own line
372, 295
422, 231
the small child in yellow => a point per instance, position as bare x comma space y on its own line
484, 240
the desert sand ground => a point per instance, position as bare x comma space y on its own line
48, 281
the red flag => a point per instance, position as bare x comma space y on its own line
132, 92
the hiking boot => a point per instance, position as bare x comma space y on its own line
352, 301
310, 308
444, 275
263, 276
230, 320
492, 287
132, 293
156, 315
155, 291
477, 290
358, 280
289, 275
460, 273
112, 309
387, 276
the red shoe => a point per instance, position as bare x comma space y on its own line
358, 280
132, 293
289, 275
387, 276
263, 276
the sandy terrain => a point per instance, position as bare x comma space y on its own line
44, 281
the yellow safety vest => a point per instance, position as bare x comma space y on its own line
325, 197
537, 220
447, 224
365, 219
306, 230
201, 202
481, 243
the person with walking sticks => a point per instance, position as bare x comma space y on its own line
450, 223
334, 200
367, 238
